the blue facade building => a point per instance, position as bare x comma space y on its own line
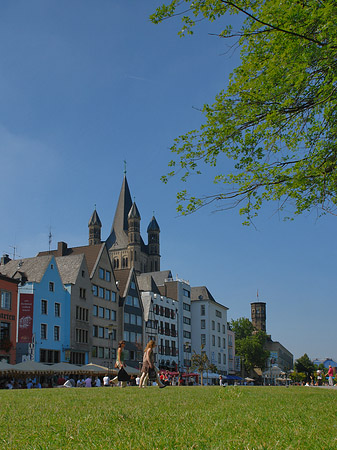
44, 310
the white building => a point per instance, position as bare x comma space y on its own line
209, 328
172, 310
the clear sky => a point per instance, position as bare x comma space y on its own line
85, 85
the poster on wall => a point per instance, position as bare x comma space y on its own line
25, 330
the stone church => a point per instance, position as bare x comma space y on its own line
125, 243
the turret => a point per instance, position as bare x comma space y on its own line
258, 314
134, 239
153, 232
95, 226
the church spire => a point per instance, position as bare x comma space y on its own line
95, 226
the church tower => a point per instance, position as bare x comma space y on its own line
134, 244
153, 231
95, 226
258, 314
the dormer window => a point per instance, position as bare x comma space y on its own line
51, 286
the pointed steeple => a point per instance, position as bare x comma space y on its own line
153, 225
119, 227
134, 213
95, 226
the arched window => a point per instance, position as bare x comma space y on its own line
116, 263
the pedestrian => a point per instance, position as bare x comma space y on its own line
120, 363
88, 381
106, 380
148, 368
330, 375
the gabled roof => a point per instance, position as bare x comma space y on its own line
32, 268
146, 283
123, 278
120, 224
91, 253
161, 276
69, 267
201, 293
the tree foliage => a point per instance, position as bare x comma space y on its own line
248, 345
200, 363
305, 365
276, 119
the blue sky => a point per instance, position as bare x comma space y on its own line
85, 85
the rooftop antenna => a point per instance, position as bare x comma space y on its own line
49, 238
257, 294
14, 252
124, 167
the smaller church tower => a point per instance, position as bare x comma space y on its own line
258, 313
134, 240
95, 226
153, 231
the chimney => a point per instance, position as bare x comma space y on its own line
62, 248
5, 259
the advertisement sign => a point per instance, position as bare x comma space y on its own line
25, 330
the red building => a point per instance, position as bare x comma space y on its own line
8, 316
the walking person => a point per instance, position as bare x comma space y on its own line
330, 375
148, 366
120, 363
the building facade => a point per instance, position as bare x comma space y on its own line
209, 328
8, 318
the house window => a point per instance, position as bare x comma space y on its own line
43, 331
202, 310
57, 310
101, 332
6, 300
213, 325
116, 263
94, 352
218, 327
213, 340
82, 293
203, 324
186, 307
101, 273
107, 275
95, 331
219, 358
107, 294
95, 310
4, 330
113, 315
95, 290
101, 292
187, 320
224, 358
101, 352
219, 341
113, 296
56, 333
51, 286
186, 293
107, 313
203, 339
44, 307
187, 334
218, 313
133, 285
224, 343
83, 273
101, 312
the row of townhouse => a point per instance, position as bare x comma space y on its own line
75, 304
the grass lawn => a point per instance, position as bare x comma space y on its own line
233, 418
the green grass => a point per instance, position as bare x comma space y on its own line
233, 418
